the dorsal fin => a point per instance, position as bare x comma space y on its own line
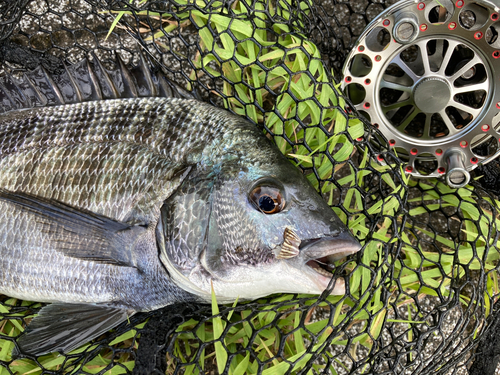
15, 97
95, 83
31, 89
128, 86
144, 79
58, 99
85, 81
71, 84
45, 86
7, 102
108, 87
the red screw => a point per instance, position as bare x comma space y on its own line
498, 105
478, 35
423, 27
459, 3
378, 58
368, 81
414, 151
359, 139
485, 127
380, 157
463, 144
386, 22
366, 105
392, 142
496, 54
452, 25
376, 125
441, 170
348, 79
439, 152
494, 16
473, 160
361, 48
421, 6
409, 169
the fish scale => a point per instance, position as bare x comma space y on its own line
101, 168
110, 207
237, 230
35, 283
45, 160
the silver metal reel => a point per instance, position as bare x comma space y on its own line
424, 74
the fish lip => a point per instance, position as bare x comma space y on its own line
306, 244
321, 253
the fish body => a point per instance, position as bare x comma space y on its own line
113, 206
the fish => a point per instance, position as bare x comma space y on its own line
120, 192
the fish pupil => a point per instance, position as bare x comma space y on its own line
266, 203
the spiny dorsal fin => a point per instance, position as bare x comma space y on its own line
128, 84
58, 98
144, 79
15, 97
45, 86
85, 81
38, 98
71, 82
95, 82
108, 87
7, 102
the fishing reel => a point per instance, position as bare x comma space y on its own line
425, 74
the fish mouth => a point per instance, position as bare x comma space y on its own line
322, 253
324, 265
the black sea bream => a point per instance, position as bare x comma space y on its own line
114, 200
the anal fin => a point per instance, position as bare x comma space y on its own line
63, 327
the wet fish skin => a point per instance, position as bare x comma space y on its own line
110, 207
121, 172
120, 159
103, 155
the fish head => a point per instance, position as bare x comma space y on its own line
261, 230
274, 233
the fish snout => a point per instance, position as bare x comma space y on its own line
335, 247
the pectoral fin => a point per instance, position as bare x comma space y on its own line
62, 327
73, 232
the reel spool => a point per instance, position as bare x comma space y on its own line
424, 74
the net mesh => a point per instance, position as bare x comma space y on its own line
419, 296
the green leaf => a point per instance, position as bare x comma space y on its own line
220, 352
297, 335
115, 22
127, 335
306, 158
241, 369
356, 129
345, 152
274, 54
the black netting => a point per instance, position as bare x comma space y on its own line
421, 293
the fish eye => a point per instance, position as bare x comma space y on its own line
267, 198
